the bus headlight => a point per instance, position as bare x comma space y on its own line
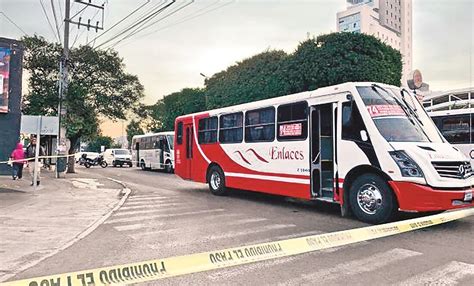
407, 166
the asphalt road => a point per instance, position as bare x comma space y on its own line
166, 216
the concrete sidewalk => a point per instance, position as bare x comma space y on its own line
36, 225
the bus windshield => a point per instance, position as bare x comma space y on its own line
395, 120
170, 141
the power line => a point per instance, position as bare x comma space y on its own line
55, 19
49, 22
151, 24
117, 23
189, 17
61, 13
148, 18
11, 21
145, 17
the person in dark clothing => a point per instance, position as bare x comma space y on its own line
30, 156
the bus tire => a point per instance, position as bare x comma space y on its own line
168, 167
216, 181
142, 165
372, 200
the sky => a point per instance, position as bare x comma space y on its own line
207, 36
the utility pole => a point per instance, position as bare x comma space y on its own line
62, 112
64, 81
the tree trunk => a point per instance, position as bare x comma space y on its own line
71, 161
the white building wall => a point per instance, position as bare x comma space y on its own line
407, 40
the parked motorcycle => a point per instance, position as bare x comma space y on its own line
99, 160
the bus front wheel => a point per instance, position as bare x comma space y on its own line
217, 181
168, 167
142, 165
372, 199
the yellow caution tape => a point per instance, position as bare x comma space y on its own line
39, 157
193, 263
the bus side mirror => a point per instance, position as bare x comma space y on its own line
364, 136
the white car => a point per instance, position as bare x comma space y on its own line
118, 157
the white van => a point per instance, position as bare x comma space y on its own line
118, 157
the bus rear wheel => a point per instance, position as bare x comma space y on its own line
142, 165
372, 199
216, 181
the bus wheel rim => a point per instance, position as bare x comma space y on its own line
215, 180
369, 199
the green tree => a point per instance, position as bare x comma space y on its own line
343, 57
165, 111
133, 128
95, 144
98, 86
258, 77
327, 60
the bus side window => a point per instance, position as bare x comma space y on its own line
231, 128
207, 132
292, 121
179, 133
260, 125
456, 129
352, 122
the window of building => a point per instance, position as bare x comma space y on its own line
207, 132
231, 128
292, 121
179, 133
260, 125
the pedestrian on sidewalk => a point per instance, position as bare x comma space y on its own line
30, 155
18, 156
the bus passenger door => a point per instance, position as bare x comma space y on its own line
322, 141
189, 150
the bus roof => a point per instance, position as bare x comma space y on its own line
287, 98
153, 134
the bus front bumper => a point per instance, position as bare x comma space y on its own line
420, 198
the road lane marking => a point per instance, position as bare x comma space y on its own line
287, 236
149, 206
219, 216
245, 221
149, 202
448, 274
169, 231
266, 228
129, 227
354, 267
140, 218
152, 198
155, 210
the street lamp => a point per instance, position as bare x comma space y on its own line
205, 94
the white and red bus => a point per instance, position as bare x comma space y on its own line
369, 147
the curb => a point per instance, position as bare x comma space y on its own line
125, 192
